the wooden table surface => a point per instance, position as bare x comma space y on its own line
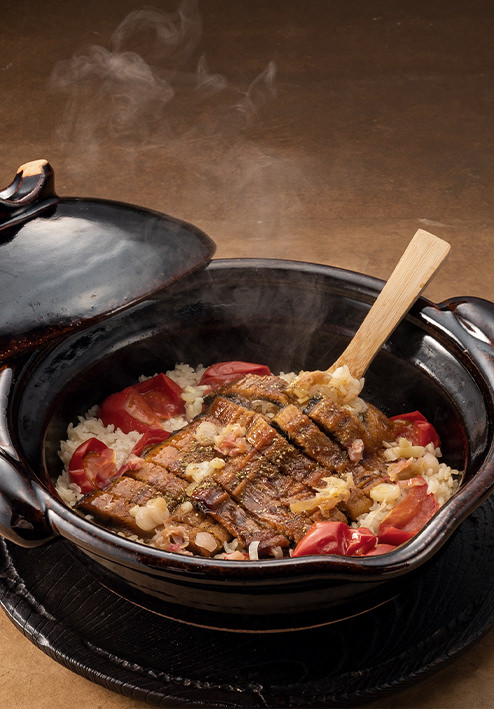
325, 131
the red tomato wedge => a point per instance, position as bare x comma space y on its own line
335, 538
380, 549
92, 464
393, 535
224, 372
143, 406
409, 515
149, 439
128, 411
162, 395
416, 429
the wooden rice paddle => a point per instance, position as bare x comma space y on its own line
421, 259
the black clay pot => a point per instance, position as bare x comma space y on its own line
290, 316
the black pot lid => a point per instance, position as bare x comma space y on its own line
67, 262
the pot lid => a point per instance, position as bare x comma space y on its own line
67, 262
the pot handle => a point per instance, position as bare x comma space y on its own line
31, 193
23, 518
471, 320
475, 316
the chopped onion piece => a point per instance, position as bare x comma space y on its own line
152, 514
205, 540
205, 433
186, 506
277, 552
336, 490
404, 449
196, 472
254, 551
231, 546
385, 492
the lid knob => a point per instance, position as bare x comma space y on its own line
31, 192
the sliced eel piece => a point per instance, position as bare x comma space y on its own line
378, 427
261, 489
269, 442
308, 437
357, 504
112, 505
161, 479
370, 471
336, 421
255, 391
346, 427
212, 498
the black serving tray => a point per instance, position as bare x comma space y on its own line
49, 596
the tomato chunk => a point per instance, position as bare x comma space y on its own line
335, 538
416, 429
128, 411
409, 515
162, 395
143, 406
224, 372
393, 535
149, 439
92, 465
380, 549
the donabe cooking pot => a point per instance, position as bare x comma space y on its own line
291, 316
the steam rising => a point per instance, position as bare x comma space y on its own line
141, 97
151, 100
261, 90
170, 37
209, 83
